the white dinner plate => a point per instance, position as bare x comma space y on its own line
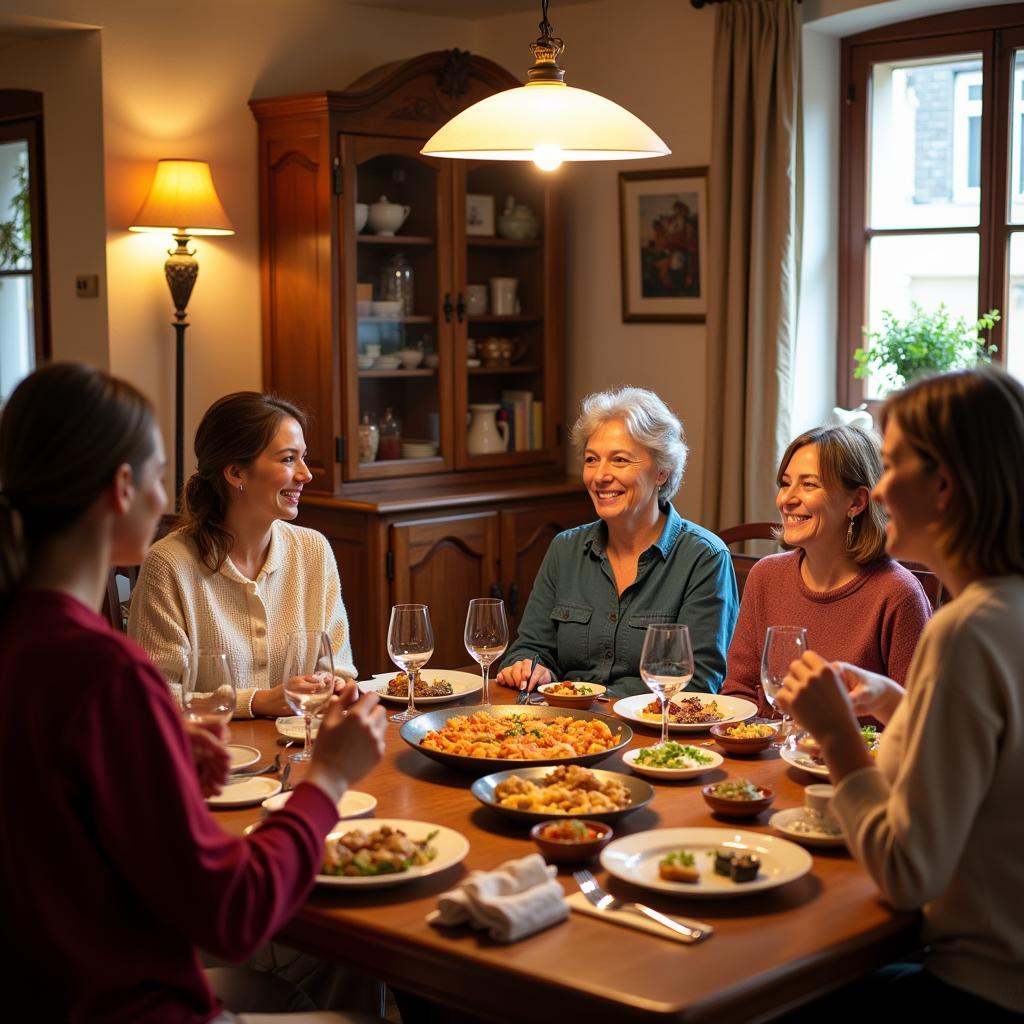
463, 684
669, 774
294, 726
789, 823
242, 756
246, 792
635, 859
803, 761
735, 709
451, 847
352, 805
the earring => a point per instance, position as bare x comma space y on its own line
849, 534
240, 487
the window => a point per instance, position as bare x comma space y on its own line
24, 321
932, 178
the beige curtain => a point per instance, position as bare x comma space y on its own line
753, 279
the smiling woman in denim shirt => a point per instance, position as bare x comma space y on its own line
601, 585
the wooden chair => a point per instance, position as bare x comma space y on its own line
742, 563
115, 605
933, 588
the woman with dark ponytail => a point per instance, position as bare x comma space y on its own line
117, 871
237, 576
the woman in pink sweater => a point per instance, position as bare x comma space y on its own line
856, 604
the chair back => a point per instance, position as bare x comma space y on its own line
933, 588
742, 562
121, 582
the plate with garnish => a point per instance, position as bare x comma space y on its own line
670, 761
688, 712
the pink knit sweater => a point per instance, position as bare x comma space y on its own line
873, 621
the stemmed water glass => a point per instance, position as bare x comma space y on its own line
782, 646
208, 688
308, 679
486, 635
410, 645
666, 664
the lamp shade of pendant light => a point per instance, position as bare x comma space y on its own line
545, 121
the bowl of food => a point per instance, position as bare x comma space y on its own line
672, 761
737, 798
579, 695
570, 840
744, 737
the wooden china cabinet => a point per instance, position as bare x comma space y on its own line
424, 519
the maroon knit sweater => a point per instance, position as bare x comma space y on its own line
872, 622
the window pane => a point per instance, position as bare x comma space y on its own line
17, 324
926, 269
1016, 197
925, 148
1013, 315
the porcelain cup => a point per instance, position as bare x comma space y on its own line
386, 218
504, 300
818, 804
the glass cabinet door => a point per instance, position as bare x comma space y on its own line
507, 357
398, 311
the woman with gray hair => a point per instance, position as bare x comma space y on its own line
601, 585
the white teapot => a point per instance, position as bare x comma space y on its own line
386, 218
486, 434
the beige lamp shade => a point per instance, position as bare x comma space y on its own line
547, 122
182, 199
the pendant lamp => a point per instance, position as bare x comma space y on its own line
545, 120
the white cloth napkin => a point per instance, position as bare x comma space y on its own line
518, 898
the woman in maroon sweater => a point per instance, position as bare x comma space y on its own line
112, 870
857, 604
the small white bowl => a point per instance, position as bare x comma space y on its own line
670, 774
387, 309
387, 363
353, 804
411, 357
365, 362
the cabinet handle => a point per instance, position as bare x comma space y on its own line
460, 307
513, 598
447, 307
496, 591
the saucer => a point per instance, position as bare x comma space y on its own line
793, 824
246, 793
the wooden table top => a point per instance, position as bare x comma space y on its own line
770, 951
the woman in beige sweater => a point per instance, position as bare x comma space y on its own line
936, 820
237, 576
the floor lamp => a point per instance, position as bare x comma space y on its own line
183, 201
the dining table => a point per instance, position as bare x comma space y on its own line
771, 951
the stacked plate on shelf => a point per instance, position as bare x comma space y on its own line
416, 449
387, 363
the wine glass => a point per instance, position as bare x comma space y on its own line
308, 679
208, 688
782, 646
666, 664
410, 645
486, 635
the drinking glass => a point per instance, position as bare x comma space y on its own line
486, 635
308, 679
208, 688
782, 646
410, 645
666, 664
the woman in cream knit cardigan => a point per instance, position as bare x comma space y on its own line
237, 576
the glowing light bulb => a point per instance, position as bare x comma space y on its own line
547, 158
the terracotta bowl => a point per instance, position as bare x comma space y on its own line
734, 745
581, 703
559, 851
737, 808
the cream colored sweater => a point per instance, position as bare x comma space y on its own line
178, 605
938, 822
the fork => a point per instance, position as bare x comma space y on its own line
525, 696
267, 769
692, 931
285, 784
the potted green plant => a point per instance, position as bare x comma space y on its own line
922, 343
16, 233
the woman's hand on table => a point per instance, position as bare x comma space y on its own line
350, 741
815, 694
272, 703
517, 675
211, 757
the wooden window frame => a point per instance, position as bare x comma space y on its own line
995, 33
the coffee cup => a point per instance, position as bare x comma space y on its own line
476, 299
818, 805
504, 300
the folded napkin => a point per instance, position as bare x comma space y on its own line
578, 902
518, 898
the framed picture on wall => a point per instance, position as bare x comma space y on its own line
479, 215
663, 223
